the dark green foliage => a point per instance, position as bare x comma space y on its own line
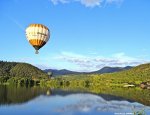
5, 68
23, 81
20, 73
27, 70
3, 79
13, 69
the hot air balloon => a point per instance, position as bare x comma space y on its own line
37, 35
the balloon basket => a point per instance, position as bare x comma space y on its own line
36, 52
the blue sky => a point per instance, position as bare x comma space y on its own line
86, 35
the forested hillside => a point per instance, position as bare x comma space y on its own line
13, 69
134, 77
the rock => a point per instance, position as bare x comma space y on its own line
145, 85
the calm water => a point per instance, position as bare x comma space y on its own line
44, 101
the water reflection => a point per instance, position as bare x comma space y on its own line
16, 95
44, 101
90, 102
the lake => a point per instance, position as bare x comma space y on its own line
45, 101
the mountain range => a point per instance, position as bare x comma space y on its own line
56, 72
27, 70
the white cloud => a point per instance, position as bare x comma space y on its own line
84, 63
91, 3
59, 1
91, 63
114, 1
88, 3
43, 66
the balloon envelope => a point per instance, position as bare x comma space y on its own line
37, 35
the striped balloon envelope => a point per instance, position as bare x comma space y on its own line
37, 35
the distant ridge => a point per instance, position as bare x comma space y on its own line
56, 72
101, 71
112, 69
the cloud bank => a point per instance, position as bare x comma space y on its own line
88, 3
91, 63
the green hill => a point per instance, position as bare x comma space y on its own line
14, 69
134, 76
141, 72
143, 69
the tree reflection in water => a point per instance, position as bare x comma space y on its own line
16, 94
